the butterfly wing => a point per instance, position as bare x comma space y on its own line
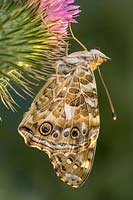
63, 121
74, 168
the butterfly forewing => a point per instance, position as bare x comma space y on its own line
63, 119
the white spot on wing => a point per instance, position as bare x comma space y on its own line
69, 111
84, 126
69, 161
73, 177
75, 167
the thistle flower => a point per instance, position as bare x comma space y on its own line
57, 15
24, 48
29, 36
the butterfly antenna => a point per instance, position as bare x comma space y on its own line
108, 95
76, 39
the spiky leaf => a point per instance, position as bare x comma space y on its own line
25, 48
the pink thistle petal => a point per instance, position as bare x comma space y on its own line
58, 14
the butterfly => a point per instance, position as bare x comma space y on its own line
63, 119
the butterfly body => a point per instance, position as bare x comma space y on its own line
63, 119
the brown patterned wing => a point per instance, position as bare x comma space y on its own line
74, 168
63, 121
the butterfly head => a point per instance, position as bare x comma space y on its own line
97, 58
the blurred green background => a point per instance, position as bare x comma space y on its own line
26, 173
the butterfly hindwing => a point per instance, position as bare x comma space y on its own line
74, 168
